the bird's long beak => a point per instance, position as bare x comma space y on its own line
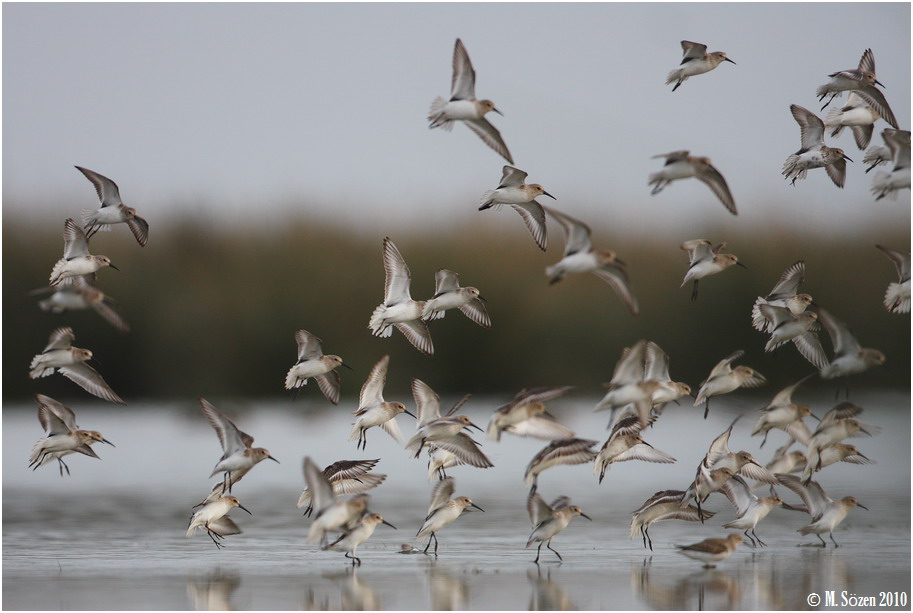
472, 425
409, 414
483, 510
726, 59
242, 507
846, 157
862, 506
384, 521
502, 114
742, 265
545, 193
815, 416
877, 82
104, 440
273, 459
113, 266
343, 364
587, 516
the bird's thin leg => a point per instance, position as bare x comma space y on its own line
538, 551
643, 536
750, 539
213, 538
429, 543
831, 534
420, 447
649, 540
758, 538
823, 542
707, 408
694, 292
549, 546
699, 512
435, 543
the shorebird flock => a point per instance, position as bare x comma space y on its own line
640, 389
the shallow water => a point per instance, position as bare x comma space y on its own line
110, 536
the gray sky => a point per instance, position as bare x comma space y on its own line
243, 109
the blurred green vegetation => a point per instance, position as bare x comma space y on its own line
213, 309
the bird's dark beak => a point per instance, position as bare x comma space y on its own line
241, 506
726, 59
104, 440
862, 506
815, 416
545, 193
273, 459
472, 425
409, 414
877, 82
384, 521
502, 114
742, 265
343, 364
113, 266
846, 157
587, 516
483, 510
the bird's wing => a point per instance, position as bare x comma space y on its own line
490, 136
538, 509
576, 233
140, 229
692, 50
329, 384
811, 128
445, 281
475, 310
318, 485
441, 494
512, 177
739, 494
717, 184
232, 439
398, 277
75, 243
58, 410
106, 189
427, 401
789, 281
308, 345
616, 277
372, 392
88, 379
534, 218
843, 341
723, 366
463, 83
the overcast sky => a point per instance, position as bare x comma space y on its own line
244, 109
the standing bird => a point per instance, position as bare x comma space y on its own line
63, 435
696, 61
680, 165
897, 296
749, 508
814, 153
238, 455
345, 477
862, 82
782, 295
526, 415
549, 520
705, 259
373, 410
724, 379
112, 209
856, 115
313, 363
711, 550
581, 257
564, 452
849, 357
332, 513
76, 260
443, 511
889, 183
349, 541
463, 105
521, 197
826, 514
80, 294
213, 518
662, 506
449, 295
60, 356
398, 309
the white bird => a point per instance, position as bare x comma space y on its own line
398, 309
526, 415
695, 61
862, 82
60, 356
63, 435
76, 260
889, 183
897, 296
849, 357
80, 294
628, 385
826, 514
681, 165
373, 410
705, 259
449, 295
783, 294
656, 368
781, 412
442, 511
349, 541
521, 197
858, 116
626, 443
312, 363
581, 257
331, 512
112, 209
749, 508
813, 153
463, 105
837, 424
345, 477
724, 379
801, 329
239, 455
213, 518
549, 520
